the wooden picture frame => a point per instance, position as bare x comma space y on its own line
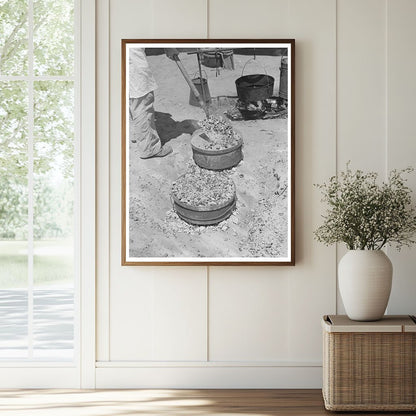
208, 152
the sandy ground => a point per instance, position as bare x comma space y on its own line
258, 226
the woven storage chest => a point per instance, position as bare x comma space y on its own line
369, 366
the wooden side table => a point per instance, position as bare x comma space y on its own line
369, 366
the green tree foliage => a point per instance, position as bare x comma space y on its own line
13, 209
13, 130
54, 127
53, 118
13, 159
53, 209
53, 37
13, 37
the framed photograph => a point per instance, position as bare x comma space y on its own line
208, 135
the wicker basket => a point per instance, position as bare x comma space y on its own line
369, 366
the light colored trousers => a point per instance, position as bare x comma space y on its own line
142, 125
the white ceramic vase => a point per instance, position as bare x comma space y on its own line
364, 278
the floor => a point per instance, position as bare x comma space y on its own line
164, 402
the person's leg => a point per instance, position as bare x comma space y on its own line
142, 126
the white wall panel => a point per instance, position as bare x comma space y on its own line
311, 282
361, 89
148, 19
248, 314
131, 315
401, 142
298, 338
180, 19
179, 309
159, 316
361, 84
145, 323
355, 90
262, 19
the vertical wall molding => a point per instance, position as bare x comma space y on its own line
103, 180
401, 133
207, 267
387, 64
208, 311
336, 145
88, 201
208, 18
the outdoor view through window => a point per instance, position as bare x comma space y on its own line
37, 181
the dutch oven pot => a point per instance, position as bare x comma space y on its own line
255, 87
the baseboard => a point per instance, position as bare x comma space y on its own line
209, 377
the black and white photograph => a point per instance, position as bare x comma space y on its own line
208, 152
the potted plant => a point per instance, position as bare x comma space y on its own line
366, 215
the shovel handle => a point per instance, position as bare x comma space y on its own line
192, 86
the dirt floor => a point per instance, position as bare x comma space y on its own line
259, 225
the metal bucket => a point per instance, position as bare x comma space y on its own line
283, 79
256, 87
201, 84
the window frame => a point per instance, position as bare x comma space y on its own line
81, 371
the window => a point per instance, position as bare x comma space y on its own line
38, 184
